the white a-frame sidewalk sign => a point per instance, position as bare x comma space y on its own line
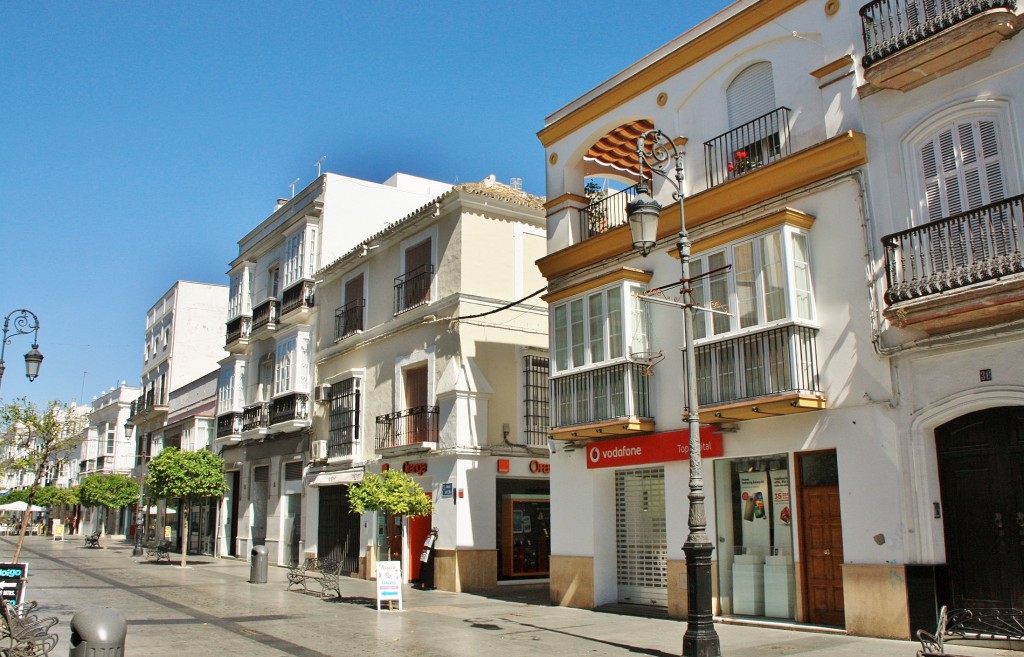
389, 583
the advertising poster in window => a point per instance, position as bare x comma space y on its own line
782, 512
754, 504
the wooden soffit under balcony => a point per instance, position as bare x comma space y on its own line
832, 156
785, 404
979, 306
605, 429
948, 51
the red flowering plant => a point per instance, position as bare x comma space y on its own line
743, 162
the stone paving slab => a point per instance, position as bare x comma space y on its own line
209, 609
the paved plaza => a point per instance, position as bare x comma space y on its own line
210, 609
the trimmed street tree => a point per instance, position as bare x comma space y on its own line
191, 476
35, 440
109, 491
392, 492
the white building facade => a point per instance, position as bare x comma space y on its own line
817, 349
266, 380
435, 363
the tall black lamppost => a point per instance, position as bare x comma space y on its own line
655, 151
25, 322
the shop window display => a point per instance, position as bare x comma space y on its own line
755, 536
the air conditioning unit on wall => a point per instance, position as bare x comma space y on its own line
322, 393
318, 450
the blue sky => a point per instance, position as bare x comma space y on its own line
140, 141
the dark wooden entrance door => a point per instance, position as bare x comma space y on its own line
981, 478
821, 538
338, 533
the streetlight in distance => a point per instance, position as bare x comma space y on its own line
25, 322
655, 151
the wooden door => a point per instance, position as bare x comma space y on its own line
821, 538
981, 478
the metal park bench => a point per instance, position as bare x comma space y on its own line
24, 634
93, 540
162, 551
324, 573
995, 627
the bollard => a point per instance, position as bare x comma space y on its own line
258, 568
98, 632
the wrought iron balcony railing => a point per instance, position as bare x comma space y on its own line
772, 362
294, 406
413, 288
892, 25
616, 391
349, 318
265, 315
971, 247
299, 295
229, 424
606, 213
238, 329
750, 146
256, 416
409, 427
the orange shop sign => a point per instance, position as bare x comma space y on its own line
652, 448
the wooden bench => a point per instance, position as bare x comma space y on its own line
162, 551
324, 573
995, 627
92, 540
26, 635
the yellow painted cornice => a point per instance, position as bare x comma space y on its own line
721, 36
566, 198
621, 274
787, 216
832, 156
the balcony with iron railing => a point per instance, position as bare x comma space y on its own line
265, 317
296, 301
908, 42
758, 375
237, 333
289, 412
605, 401
412, 427
412, 289
961, 272
229, 426
606, 211
753, 145
255, 419
348, 319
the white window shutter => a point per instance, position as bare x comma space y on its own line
751, 94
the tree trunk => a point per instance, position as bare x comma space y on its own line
27, 513
184, 531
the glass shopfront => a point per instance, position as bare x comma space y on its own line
755, 536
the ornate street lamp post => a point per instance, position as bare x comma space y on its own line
25, 322
656, 151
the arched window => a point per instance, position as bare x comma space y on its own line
960, 168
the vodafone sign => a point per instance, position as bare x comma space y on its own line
652, 448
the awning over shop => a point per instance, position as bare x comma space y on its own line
335, 478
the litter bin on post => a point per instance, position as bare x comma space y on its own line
98, 632
258, 568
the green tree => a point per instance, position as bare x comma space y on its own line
108, 491
36, 440
56, 496
190, 476
392, 492
17, 495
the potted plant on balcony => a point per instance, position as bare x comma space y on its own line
742, 163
